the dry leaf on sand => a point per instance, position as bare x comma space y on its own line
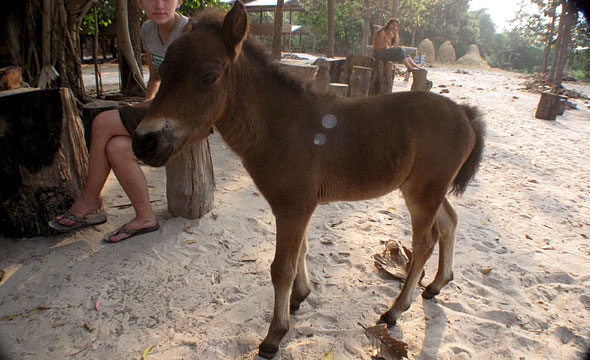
395, 259
384, 345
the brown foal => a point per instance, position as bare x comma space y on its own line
302, 148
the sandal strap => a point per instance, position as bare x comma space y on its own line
69, 216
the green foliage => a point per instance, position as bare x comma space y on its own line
348, 25
190, 7
105, 11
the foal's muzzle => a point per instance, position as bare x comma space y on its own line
153, 148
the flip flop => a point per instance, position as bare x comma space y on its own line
131, 233
95, 217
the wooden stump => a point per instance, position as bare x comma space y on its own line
419, 82
44, 160
360, 81
322, 77
303, 72
336, 70
381, 76
190, 183
549, 106
338, 89
89, 112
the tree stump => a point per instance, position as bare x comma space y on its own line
303, 72
322, 77
381, 76
549, 106
419, 82
44, 160
190, 183
360, 81
336, 70
338, 89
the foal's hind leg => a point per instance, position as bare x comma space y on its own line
301, 287
446, 221
423, 210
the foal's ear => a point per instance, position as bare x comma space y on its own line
235, 28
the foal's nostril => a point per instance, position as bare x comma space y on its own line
150, 144
144, 145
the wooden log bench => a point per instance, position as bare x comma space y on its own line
190, 183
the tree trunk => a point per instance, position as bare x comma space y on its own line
366, 19
278, 31
548, 41
129, 85
44, 160
125, 45
330, 50
395, 9
569, 15
43, 40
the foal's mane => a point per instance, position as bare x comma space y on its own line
212, 20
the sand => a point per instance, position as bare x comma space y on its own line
200, 289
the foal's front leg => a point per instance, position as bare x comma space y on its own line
290, 235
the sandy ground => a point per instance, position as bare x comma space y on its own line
200, 289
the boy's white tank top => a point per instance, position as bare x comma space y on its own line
151, 39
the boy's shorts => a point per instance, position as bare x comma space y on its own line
131, 116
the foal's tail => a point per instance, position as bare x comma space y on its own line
469, 168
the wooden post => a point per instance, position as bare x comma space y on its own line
44, 160
419, 82
190, 183
360, 81
322, 77
549, 106
305, 73
338, 89
382, 79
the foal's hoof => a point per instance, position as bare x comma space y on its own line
294, 306
386, 319
267, 351
429, 293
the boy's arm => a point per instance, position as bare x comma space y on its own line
154, 81
395, 39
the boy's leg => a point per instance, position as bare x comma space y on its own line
104, 126
132, 179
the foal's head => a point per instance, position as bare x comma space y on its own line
195, 85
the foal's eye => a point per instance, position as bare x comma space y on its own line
210, 78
